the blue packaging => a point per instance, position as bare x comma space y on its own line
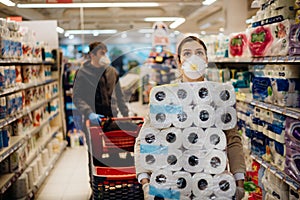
5, 137
2, 107
1, 140
2, 78
6, 77
282, 92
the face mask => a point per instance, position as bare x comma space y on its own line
194, 67
104, 60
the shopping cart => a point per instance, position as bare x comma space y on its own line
114, 177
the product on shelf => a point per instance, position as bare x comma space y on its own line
260, 40
294, 40
238, 45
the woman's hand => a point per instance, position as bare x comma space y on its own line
145, 183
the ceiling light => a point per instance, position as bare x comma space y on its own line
249, 21
71, 37
77, 32
160, 19
7, 2
203, 32
87, 5
60, 30
177, 22
221, 29
123, 35
208, 2
205, 26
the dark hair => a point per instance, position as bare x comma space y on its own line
190, 39
95, 46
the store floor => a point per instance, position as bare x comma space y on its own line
69, 179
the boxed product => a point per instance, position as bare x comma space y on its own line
282, 92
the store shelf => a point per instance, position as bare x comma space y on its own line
291, 182
41, 144
47, 169
22, 62
290, 112
15, 143
259, 60
6, 181
24, 86
25, 111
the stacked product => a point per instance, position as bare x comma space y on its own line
185, 144
295, 32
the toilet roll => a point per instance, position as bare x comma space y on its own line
192, 138
45, 157
215, 162
149, 136
171, 137
203, 92
192, 160
163, 95
224, 94
30, 176
226, 118
184, 118
204, 116
215, 138
224, 185
162, 178
182, 183
173, 160
161, 120
202, 185
184, 93
151, 161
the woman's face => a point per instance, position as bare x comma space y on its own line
188, 49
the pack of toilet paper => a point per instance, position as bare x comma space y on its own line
184, 146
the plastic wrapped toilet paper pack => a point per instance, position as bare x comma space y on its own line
202, 185
184, 93
171, 137
224, 185
215, 138
203, 92
163, 95
224, 94
193, 161
182, 182
184, 118
162, 178
192, 138
205, 116
225, 118
152, 161
215, 161
149, 136
172, 160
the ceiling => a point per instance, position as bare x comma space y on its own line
124, 19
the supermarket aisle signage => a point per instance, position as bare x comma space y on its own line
59, 1
14, 18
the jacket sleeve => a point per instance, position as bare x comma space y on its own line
79, 94
120, 99
138, 166
235, 151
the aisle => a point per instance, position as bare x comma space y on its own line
69, 178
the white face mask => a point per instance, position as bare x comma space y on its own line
104, 60
194, 67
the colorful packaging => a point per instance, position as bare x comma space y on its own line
2, 78
280, 33
260, 40
27, 74
18, 74
238, 45
2, 107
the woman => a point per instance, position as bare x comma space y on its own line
192, 49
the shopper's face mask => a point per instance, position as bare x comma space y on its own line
194, 67
104, 60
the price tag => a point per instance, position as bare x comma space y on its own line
273, 59
280, 59
297, 59
291, 59
266, 59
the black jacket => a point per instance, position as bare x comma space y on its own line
98, 90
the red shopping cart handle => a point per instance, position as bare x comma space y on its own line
88, 123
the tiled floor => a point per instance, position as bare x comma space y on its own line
69, 178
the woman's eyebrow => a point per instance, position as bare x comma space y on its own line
186, 50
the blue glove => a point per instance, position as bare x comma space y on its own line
95, 118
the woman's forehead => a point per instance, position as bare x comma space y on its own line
192, 45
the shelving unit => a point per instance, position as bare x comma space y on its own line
54, 120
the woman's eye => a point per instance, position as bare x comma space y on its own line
186, 54
199, 53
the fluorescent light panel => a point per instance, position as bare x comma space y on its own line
7, 3
60, 30
160, 19
87, 5
94, 32
177, 23
208, 2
